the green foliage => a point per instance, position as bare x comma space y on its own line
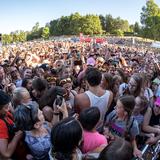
7, 38
150, 19
91, 25
17, 36
75, 23
114, 25
137, 28
103, 22
35, 33
118, 32
45, 32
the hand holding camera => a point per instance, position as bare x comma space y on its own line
60, 106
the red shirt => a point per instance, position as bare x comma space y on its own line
3, 127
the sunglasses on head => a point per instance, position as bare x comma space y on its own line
102, 69
64, 81
50, 79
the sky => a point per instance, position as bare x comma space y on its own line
23, 14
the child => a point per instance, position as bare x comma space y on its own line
141, 105
91, 138
121, 123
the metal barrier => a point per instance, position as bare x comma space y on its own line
150, 152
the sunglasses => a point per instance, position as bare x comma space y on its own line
50, 79
64, 81
102, 69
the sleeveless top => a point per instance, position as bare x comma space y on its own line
39, 146
155, 119
100, 102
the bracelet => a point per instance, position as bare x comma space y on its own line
54, 113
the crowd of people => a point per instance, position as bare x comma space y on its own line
63, 100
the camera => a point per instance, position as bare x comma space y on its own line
59, 100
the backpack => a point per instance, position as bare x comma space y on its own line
128, 127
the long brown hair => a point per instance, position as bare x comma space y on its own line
128, 102
138, 78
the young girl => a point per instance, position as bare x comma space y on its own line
121, 124
141, 105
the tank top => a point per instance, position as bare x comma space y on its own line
155, 119
100, 102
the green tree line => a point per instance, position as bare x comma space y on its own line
94, 24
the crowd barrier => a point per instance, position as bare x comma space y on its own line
150, 152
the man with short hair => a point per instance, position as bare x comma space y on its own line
95, 96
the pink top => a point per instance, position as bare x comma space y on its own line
92, 140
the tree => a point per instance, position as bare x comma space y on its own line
150, 19
120, 24
35, 33
22, 36
7, 39
131, 28
91, 25
54, 27
137, 27
103, 22
75, 23
109, 23
45, 32
118, 32
35, 28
